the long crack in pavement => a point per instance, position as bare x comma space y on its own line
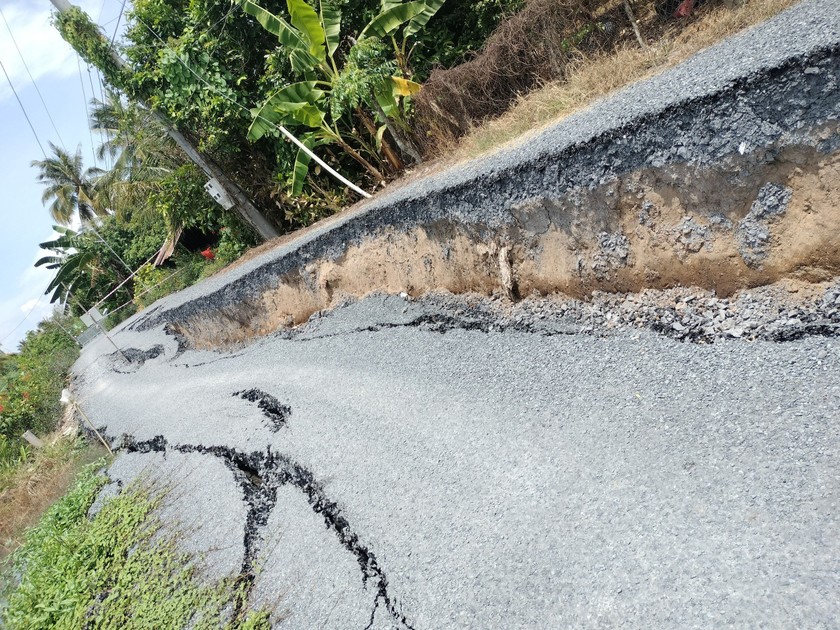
259, 475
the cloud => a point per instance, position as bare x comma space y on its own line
29, 305
46, 54
19, 314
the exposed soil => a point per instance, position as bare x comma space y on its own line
756, 218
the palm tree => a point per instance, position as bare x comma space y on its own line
69, 190
141, 150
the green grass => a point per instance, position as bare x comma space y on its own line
117, 570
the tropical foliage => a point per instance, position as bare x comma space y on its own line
340, 74
31, 382
69, 189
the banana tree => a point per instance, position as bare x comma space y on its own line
78, 259
312, 41
71, 260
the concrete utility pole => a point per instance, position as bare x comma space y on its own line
240, 200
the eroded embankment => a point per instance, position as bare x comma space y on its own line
736, 189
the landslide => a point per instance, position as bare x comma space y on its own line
720, 174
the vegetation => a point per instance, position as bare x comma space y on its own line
340, 72
30, 487
30, 386
372, 86
603, 71
68, 188
117, 570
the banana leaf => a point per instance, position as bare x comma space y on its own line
331, 19
418, 22
302, 160
296, 102
390, 20
289, 37
308, 23
404, 87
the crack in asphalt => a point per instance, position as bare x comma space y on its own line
441, 323
259, 475
276, 412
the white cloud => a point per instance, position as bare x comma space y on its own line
29, 305
15, 320
15, 315
46, 54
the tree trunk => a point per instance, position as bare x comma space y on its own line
390, 155
630, 16
403, 142
370, 168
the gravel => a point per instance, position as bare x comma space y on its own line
511, 477
748, 92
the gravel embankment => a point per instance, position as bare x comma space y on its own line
772, 85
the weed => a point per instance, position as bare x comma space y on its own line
117, 570
27, 490
591, 76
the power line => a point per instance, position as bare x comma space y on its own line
103, 133
20, 323
117, 27
92, 99
84, 98
34, 84
23, 109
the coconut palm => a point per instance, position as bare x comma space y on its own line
70, 191
140, 148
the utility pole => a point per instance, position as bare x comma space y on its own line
240, 200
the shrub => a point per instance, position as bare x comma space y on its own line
535, 46
32, 384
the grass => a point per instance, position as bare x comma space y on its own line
27, 491
116, 570
597, 76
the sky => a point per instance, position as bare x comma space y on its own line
24, 221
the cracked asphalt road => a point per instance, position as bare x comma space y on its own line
408, 464
501, 479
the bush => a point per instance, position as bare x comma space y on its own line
33, 380
535, 46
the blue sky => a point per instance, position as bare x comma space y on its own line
24, 220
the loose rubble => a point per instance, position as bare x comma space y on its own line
772, 313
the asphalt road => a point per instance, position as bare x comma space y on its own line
499, 480
397, 464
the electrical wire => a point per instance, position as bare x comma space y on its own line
92, 100
31, 310
117, 27
23, 109
103, 133
84, 98
31, 78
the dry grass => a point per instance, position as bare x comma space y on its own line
31, 489
599, 75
